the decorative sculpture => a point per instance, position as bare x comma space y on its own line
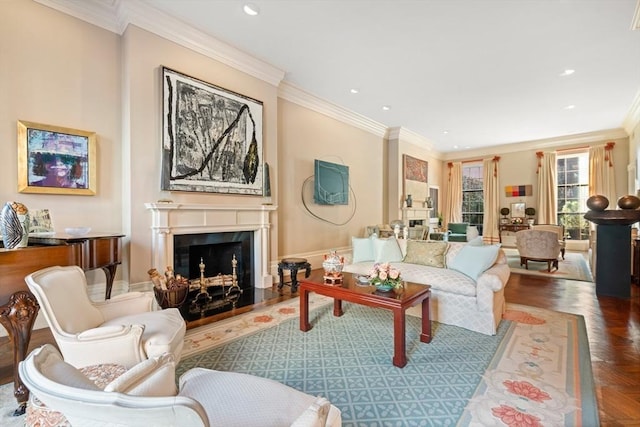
14, 225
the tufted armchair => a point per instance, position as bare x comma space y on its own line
146, 395
122, 330
538, 245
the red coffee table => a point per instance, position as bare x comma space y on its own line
352, 291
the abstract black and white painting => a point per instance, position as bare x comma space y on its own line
212, 138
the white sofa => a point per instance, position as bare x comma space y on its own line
456, 297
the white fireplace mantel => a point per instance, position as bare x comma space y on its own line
171, 219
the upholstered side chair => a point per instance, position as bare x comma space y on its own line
538, 245
556, 228
124, 329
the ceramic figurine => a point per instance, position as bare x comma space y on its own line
14, 225
333, 264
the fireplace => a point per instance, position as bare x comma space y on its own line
225, 260
184, 233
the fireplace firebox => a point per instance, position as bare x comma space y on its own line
226, 261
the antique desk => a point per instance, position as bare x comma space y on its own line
18, 307
511, 228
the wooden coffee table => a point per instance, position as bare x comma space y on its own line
352, 291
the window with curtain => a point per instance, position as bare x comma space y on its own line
573, 192
472, 194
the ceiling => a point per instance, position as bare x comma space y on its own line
462, 74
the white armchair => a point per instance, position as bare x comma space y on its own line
122, 330
146, 395
538, 245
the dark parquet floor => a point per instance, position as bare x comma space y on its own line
613, 327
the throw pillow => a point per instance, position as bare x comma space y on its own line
472, 261
477, 241
386, 250
62, 372
151, 377
423, 252
362, 249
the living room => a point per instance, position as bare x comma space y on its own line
110, 84
64, 71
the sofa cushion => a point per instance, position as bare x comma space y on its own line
440, 279
362, 248
474, 260
424, 252
386, 250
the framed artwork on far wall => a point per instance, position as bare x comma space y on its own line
517, 210
56, 160
416, 176
211, 138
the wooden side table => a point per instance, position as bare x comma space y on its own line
293, 265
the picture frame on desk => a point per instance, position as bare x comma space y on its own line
56, 160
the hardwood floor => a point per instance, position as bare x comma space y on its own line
613, 327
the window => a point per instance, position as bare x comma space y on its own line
472, 194
573, 192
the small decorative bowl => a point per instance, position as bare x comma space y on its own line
384, 287
77, 231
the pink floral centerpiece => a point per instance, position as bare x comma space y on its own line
385, 277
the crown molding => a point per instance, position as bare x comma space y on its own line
542, 144
116, 15
406, 135
635, 23
103, 14
294, 94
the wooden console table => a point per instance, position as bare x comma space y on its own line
511, 228
19, 308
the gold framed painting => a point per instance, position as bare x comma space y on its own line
56, 160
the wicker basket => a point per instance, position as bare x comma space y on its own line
171, 298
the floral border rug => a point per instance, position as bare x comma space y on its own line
541, 374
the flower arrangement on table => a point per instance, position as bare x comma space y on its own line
385, 277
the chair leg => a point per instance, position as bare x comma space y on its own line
562, 252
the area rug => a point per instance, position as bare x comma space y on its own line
573, 267
535, 371
539, 356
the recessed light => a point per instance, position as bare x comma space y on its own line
567, 72
570, 107
446, 132
251, 9
455, 147
386, 107
354, 90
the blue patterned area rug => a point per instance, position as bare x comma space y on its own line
536, 371
348, 360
